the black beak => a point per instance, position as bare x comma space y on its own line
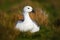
33, 11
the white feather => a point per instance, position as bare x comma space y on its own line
27, 24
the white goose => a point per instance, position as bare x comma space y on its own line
27, 24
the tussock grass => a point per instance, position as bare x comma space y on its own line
45, 16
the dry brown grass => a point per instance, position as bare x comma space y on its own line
9, 21
41, 17
9, 18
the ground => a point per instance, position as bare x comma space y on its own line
11, 12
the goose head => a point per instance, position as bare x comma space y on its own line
28, 9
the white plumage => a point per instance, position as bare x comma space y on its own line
27, 24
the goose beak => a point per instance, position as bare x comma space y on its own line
33, 11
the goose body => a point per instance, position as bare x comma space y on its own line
27, 24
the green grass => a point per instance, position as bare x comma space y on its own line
7, 4
45, 33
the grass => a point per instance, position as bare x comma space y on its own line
9, 17
8, 3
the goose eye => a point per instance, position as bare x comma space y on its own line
28, 8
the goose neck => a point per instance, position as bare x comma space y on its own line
27, 17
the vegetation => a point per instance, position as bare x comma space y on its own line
11, 12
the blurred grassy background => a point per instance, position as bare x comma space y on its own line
10, 10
